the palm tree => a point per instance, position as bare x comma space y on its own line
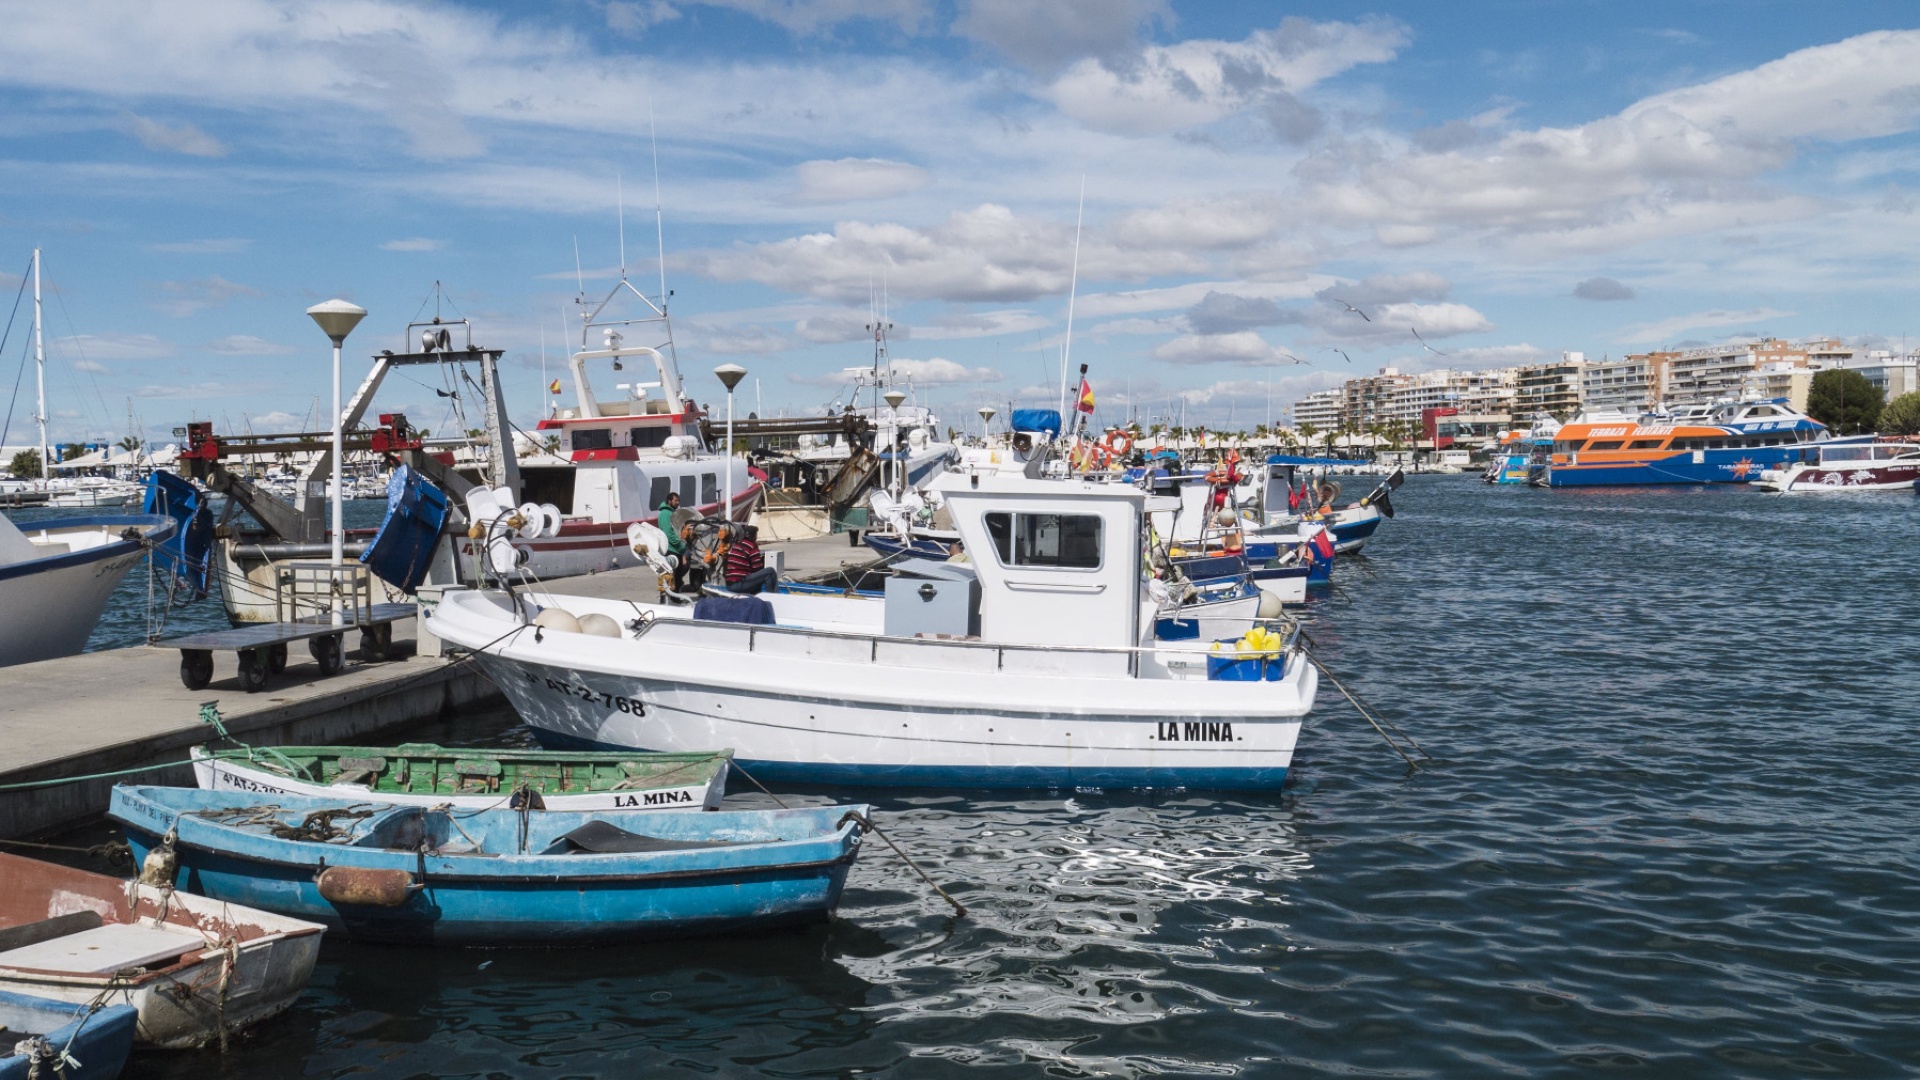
130, 443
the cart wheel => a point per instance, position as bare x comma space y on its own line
277, 658
253, 670
326, 653
196, 668
376, 643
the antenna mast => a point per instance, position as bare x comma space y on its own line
1073, 288
659, 224
40, 371
620, 202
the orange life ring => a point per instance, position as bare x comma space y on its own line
1118, 443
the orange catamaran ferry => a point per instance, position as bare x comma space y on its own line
1711, 444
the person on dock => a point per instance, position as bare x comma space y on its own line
676, 547
747, 570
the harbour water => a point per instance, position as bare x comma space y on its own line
1669, 830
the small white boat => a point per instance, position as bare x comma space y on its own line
1043, 672
190, 966
56, 576
1866, 463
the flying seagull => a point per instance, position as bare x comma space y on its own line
1342, 352
1291, 358
1423, 342
1349, 307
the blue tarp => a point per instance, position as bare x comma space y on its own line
192, 541
402, 550
1047, 420
750, 610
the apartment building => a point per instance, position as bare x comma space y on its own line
1550, 389
1632, 384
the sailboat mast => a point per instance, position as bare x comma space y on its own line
40, 372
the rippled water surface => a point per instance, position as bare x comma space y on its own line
1671, 830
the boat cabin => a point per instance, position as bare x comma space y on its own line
1059, 562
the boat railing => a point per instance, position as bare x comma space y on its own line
1028, 658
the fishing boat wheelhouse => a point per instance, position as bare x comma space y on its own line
1712, 444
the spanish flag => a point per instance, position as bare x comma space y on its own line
554, 386
1086, 396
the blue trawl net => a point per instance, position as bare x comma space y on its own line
1047, 420
192, 541
402, 550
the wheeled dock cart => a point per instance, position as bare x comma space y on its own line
307, 597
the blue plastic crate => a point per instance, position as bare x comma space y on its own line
1253, 669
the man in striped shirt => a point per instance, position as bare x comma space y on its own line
747, 570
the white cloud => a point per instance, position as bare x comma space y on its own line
942, 372
1191, 83
857, 179
980, 324
1244, 347
112, 347
1043, 36
1602, 288
183, 298
417, 243
811, 16
277, 419
1666, 329
180, 138
247, 345
90, 367
633, 18
1135, 301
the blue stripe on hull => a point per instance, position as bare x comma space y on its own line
974, 777
1720, 467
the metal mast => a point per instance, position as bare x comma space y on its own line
40, 373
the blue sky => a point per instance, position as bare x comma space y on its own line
1509, 179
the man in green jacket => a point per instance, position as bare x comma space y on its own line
676, 547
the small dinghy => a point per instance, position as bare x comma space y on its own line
40, 1037
423, 774
191, 967
437, 875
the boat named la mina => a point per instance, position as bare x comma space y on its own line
1043, 671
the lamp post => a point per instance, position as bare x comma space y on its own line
894, 398
987, 413
729, 374
336, 319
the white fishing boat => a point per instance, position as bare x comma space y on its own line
615, 458
56, 576
1042, 672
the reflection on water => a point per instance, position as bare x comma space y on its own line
1669, 829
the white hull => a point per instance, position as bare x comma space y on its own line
52, 613
846, 707
219, 774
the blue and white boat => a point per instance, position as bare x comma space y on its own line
1724, 443
1042, 671
436, 875
56, 576
44, 1038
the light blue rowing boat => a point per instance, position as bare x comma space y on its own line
42, 1037
438, 875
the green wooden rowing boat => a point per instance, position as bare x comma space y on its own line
430, 775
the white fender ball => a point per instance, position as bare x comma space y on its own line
560, 619
599, 625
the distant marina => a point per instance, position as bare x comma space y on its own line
1126, 747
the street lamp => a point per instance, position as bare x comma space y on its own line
894, 398
336, 319
730, 374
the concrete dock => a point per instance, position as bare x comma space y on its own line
104, 712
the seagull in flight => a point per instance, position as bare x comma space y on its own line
1423, 342
1291, 358
1349, 307
1342, 352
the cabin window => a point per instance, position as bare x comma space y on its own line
1609, 444
686, 490
1066, 541
1646, 444
710, 488
1717, 444
592, 439
648, 436
662, 487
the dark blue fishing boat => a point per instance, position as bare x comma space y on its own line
432, 875
40, 1037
